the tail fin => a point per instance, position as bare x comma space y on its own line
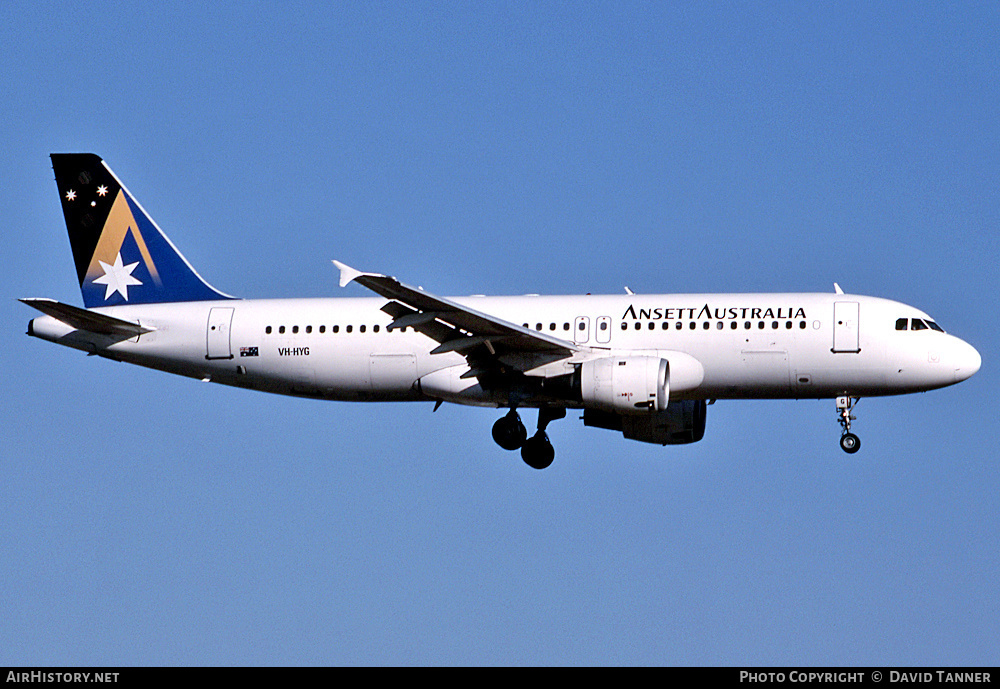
121, 256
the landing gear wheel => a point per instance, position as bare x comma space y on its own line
850, 443
537, 452
508, 432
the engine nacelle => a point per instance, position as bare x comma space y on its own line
682, 422
626, 384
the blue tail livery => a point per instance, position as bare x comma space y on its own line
121, 256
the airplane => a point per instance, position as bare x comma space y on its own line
647, 366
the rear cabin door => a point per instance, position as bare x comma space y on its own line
220, 321
845, 327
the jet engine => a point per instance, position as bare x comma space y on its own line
626, 384
682, 422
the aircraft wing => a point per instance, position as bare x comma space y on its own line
480, 337
82, 319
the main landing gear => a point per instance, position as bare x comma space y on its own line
536, 451
849, 442
508, 432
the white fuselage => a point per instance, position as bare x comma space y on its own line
734, 346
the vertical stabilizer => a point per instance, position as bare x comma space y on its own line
121, 256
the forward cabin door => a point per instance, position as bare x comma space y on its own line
845, 327
220, 322
604, 329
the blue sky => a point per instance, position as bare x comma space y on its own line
504, 148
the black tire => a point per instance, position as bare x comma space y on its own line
850, 443
508, 432
537, 452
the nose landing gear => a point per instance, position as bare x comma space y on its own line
849, 442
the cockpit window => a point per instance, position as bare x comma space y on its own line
917, 324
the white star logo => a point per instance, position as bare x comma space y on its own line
117, 277
70, 195
102, 190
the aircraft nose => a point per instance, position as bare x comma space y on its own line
967, 360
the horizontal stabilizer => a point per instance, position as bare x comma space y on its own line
82, 319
